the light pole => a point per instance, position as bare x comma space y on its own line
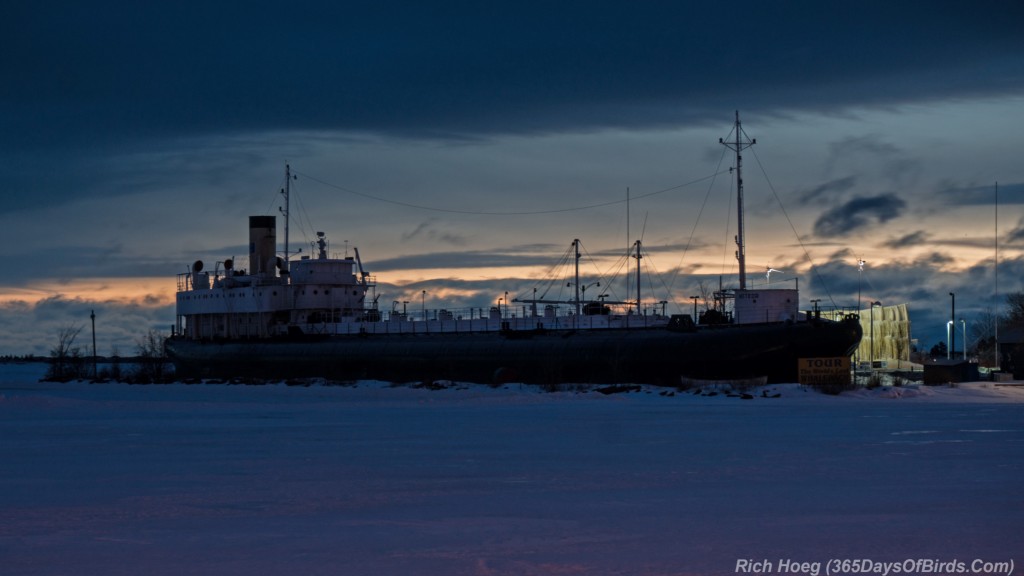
506, 305
949, 330
92, 316
872, 353
694, 308
952, 323
423, 304
860, 277
963, 326
583, 289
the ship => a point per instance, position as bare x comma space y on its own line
318, 316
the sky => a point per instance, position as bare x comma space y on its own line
462, 146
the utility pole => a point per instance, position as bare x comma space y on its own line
92, 316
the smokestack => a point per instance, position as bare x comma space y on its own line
262, 244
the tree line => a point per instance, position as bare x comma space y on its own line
68, 361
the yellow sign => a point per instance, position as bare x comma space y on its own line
824, 371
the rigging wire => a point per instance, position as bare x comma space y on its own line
308, 223
653, 271
696, 222
509, 213
548, 280
793, 228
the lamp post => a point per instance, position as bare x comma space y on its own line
506, 305
92, 316
952, 323
694, 308
949, 330
860, 277
872, 352
583, 289
963, 326
423, 304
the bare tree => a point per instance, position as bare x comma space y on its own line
1015, 309
66, 360
982, 336
152, 365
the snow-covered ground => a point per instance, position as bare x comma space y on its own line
379, 480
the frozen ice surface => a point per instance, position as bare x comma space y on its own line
379, 480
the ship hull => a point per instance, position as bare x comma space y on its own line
654, 356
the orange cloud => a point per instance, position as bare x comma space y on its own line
147, 292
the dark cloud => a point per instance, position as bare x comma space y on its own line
103, 71
952, 193
429, 231
839, 185
467, 259
91, 80
1016, 235
872, 153
82, 261
913, 239
858, 214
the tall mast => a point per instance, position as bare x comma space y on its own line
638, 256
287, 200
627, 243
576, 246
738, 146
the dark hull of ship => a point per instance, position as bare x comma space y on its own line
652, 356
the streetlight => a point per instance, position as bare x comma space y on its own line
860, 277
584, 289
963, 326
423, 304
952, 323
694, 308
873, 304
506, 305
949, 330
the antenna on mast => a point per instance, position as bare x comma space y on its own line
738, 146
286, 191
